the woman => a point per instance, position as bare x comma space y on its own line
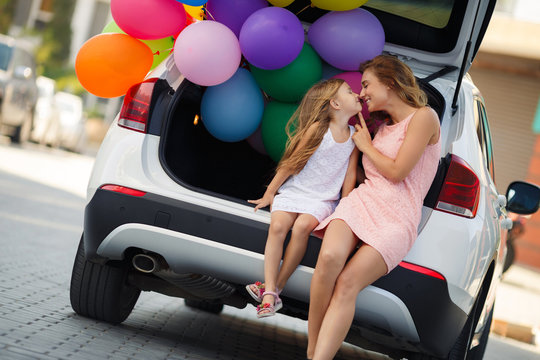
381, 215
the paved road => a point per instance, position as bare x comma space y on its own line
41, 213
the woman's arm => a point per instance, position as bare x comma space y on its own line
423, 127
350, 176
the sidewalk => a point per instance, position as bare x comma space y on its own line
517, 306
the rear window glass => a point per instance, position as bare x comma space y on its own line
5, 56
434, 13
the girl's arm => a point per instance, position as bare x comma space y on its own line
350, 176
360, 175
281, 175
268, 197
422, 128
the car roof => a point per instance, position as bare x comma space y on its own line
444, 33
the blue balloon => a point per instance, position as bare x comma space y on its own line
193, 2
232, 111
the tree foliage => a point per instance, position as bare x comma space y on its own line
54, 52
7, 8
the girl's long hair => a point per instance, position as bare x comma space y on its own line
399, 77
314, 108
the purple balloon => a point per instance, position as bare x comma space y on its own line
233, 13
271, 38
345, 39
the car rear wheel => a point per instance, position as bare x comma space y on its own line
101, 292
477, 352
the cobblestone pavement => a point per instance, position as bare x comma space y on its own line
40, 228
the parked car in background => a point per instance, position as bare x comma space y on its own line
167, 206
46, 124
18, 89
71, 119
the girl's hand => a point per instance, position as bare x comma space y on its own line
361, 137
266, 200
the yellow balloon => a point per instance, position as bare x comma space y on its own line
195, 12
338, 5
280, 3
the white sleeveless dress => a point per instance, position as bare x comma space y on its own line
316, 189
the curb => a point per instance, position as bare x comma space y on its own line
523, 333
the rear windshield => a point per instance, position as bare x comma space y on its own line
430, 25
434, 13
5, 56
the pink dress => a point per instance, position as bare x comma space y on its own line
384, 214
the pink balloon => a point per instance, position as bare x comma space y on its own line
149, 19
207, 53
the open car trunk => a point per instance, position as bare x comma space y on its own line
199, 161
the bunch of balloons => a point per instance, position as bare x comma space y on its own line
136, 41
252, 55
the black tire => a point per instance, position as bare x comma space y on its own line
101, 292
210, 307
461, 348
477, 353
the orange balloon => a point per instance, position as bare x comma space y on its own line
107, 65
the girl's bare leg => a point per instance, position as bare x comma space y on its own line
302, 228
338, 243
366, 266
280, 224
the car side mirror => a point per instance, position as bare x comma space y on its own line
523, 198
22, 72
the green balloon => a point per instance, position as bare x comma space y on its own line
161, 48
290, 83
276, 115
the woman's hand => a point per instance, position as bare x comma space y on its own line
266, 200
361, 137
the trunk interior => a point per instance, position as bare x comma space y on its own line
197, 160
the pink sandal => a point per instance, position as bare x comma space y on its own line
266, 310
260, 291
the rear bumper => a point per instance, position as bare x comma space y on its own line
414, 308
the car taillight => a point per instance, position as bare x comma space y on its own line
123, 190
460, 191
136, 106
421, 270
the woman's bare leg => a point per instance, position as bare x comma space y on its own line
302, 228
280, 224
366, 266
338, 243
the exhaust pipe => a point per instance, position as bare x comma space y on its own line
146, 263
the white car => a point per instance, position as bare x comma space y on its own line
71, 120
46, 126
167, 209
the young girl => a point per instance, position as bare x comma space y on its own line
382, 214
318, 164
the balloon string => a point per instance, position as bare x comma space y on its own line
157, 52
310, 5
208, 12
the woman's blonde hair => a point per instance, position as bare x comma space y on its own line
399, 77
314, 108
